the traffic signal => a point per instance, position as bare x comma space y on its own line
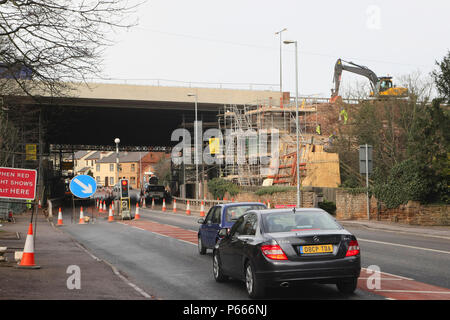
124, 188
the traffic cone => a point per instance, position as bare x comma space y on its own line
81, 216
110, 216
174, 206
202, 210
100, 208
27, 260
136, 215
164, 205
39, 204
188, 208
60, 219
104, 206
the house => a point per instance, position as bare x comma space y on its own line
133, 166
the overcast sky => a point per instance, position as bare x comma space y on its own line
234, 41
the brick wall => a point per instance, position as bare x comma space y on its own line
309, 199
354, 207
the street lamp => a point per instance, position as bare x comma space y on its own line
281, 78
117, 141
296, 121
195, 145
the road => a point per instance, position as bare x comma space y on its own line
164, 261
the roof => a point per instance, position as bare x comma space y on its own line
80, 154
123, 157
241, 204
96, 155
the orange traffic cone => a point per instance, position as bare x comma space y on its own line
164, 205
81, 216
188, 208
100, 207
202, 210
174, 205
104, 206
110, 215
27, 260
60, 220
136, 215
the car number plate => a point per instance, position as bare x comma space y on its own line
322, 248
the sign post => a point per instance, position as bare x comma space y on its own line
366, 167
82, 186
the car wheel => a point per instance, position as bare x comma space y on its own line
347, 286
219, 276
201, 248
255, 288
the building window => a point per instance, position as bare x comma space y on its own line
97, 167
111, 167
133, 167
133, 180
111, 181
97, 179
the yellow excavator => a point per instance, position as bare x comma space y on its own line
382, 87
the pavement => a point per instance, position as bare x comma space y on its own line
57, 253
430, 231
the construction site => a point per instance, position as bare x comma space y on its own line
271, 161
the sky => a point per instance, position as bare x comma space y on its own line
233, 42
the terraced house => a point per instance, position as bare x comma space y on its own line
133, 166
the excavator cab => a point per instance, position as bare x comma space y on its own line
385, 84
387, 89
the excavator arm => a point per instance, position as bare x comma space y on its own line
354, 68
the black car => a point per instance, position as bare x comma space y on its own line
286, 247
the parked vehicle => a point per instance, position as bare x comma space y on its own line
221, 216
285, 247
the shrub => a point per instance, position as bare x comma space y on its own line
273, 189
328, 206
218, 187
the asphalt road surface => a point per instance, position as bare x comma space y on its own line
165, 262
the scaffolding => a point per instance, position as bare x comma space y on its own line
242, 123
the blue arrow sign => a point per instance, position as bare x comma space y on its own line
83, 186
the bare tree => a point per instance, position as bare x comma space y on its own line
57, 41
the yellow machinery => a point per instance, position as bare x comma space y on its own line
382, 87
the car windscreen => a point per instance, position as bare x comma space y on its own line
233, 213
298, 221
155, 189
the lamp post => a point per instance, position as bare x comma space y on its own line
281, 69
195, 145
296, 122
117, 141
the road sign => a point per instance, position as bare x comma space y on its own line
30, 151
362, 159
18, 183
83, 186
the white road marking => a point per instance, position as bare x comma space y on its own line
404, 246
412, 291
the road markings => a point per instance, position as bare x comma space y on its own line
404, 246
116, 272
413, 291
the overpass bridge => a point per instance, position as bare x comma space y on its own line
95, 113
